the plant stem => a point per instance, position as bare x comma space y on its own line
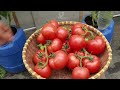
81, 62
45, 64
85, 51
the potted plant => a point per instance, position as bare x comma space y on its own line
103, 21
11, 53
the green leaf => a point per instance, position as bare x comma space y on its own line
7, 15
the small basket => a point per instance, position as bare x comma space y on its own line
31, 47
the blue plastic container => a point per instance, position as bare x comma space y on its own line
108, 32
11, 53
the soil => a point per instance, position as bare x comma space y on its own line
88, 21
14, 30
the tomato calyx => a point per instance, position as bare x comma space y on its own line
48, 42
52, 55
41, 46
40, 55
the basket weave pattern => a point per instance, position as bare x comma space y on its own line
31, 47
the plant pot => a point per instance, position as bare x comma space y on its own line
108, 32
11, 53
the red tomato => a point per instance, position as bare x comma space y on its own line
62, 34
80, 53
77, 31
55, 46
96, 46
44, 72
80, 73
55, 23
77, 25
51, 63
59, 61
77, 42
39, 56
93, 66
72, 61
49, 49
41, 39
49, 31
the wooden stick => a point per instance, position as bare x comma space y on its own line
81, 15
15, 19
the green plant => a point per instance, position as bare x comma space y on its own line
2, 73
9, 15
102, 18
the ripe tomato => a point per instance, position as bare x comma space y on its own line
77, 25
93, 66
62, 34
72, 61
96, 46
55, 23
39, 56
55, 46
77, 31
44, 72
51, 64
80, 53
49, 31
41, 39
80, 73
59, 61
77, 42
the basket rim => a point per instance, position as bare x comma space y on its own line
97, 75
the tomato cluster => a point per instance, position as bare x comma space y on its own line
78, 49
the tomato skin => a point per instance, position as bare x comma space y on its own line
93, 66
62, 33
45, 72
77, 42
77, 25
55, 46
55, 23
41, 39
49, 48
36, 58
49, 31
80, 54
80, 73
72, 61
77, 31
96, 46
59, 61
51, 63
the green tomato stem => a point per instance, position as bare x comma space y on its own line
45, 64
85, 51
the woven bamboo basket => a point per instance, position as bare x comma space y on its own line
30, 48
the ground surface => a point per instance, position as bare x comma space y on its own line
113, 71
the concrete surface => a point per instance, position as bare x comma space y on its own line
41, 17
113, 71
